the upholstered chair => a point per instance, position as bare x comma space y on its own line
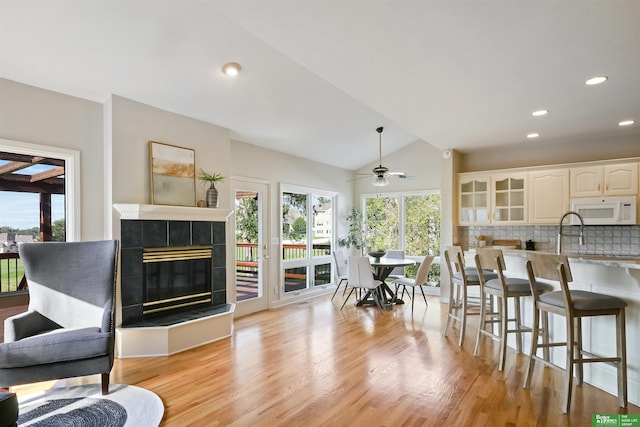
68, 330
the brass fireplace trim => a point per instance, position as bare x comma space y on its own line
180, 253
207, 298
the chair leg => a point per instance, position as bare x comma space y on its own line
482, 323
105, 383
338, 287
579, 369
622, 355
545, 336
424, 296
504, 322
452, 291
347, 298
535, 330
413, 298
463, 323
518, 317
568, 375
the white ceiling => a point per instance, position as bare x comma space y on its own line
318, 77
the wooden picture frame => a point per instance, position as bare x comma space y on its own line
172, 174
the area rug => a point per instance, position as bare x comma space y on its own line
85, 406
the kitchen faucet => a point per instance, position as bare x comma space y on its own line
580, 237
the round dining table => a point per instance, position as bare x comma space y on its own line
382, 267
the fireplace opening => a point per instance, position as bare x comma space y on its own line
176, 279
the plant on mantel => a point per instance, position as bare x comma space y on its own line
212, 191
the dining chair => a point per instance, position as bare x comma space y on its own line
418, 282
341, 271
461, 278
360, 276
574, 305
503, 289
397, 272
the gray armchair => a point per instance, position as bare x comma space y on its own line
68, 330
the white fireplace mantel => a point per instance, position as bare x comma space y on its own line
165, 212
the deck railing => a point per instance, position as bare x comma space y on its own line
247, 254
11, 273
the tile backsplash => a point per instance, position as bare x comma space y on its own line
600, 239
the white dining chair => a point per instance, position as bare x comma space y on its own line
360, 276
418, 282
397, 272
341, 272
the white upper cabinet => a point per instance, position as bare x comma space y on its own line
473, 203
509, 195
548, 195
608, 180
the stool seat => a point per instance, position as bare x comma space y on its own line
8, 409
516, 286
584, 300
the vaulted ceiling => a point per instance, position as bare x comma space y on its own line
318, 77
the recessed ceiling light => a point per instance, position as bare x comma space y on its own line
596, 80
533, 135
626, 123
231, 69
540, 113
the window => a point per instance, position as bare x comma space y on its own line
409, 222
404, 221
307, 238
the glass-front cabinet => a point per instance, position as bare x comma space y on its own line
509, 198
474, 199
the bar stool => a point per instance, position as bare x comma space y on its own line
574, 305
502, 288
460, 280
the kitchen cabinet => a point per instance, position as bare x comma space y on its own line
473, 203
548, 192
607, 180
508, 193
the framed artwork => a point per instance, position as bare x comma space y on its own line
173, 174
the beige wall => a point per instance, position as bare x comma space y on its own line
539, 154
37, 116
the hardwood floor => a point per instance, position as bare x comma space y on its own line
311, 364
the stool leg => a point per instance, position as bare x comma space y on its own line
621, 346
534, 345
568, 375
545, 335
463, 315
504, 323
578, 351
518, 316
481, 326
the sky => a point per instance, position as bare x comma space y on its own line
22, 210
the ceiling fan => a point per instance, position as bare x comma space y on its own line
380, 173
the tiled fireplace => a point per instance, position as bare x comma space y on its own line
173, 279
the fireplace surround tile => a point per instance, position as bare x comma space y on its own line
139, 234
179, 233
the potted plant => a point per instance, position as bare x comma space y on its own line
212, 191
355, 236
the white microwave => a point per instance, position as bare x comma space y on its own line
605, 210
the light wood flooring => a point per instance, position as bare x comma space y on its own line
311, 364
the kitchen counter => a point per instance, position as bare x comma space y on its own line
604, 260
